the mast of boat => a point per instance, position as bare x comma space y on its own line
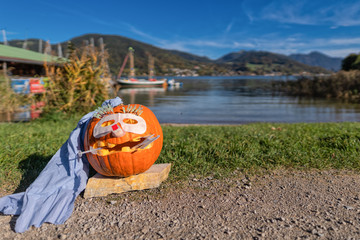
60, 53
123, 66
103, 59
47, 48
151, 66
40, 46
24, 46
132, 69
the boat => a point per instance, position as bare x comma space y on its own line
173, 83
134, 82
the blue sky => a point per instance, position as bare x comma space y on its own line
205, 28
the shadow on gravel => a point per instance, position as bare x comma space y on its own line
31, 168
12, 221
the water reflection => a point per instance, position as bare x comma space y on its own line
225, 100
24, 114
218, 100
137, 95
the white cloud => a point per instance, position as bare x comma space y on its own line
336, 47
243, 45
306, 12
180, 46
147, 36
229, 27
187, 43
343, 41
343, 52
286, 12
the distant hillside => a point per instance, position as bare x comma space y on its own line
262, 62
173, 62
318, 59
191, 57
166, 62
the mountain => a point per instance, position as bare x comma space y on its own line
191, 57
318, 59
262, 62
173, 62
166, 62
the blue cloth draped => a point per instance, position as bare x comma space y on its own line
50, 198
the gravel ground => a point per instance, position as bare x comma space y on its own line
279, 205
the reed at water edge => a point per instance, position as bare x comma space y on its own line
80, 84
343, 85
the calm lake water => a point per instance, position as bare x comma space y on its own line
235, 100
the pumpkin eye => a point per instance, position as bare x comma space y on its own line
130, 121
107, 123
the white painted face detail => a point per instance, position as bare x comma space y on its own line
139, 127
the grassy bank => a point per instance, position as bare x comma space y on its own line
195, 150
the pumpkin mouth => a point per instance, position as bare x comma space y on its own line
106, 148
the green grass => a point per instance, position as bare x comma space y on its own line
253, 66
216, 151
219, 150
27, 147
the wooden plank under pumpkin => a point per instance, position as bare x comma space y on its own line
99, 185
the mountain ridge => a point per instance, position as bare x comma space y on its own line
316, 58
264, 61
172, 62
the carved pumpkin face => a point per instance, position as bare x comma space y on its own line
125, 142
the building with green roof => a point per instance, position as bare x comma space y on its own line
23, 62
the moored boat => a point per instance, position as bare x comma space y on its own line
173, 83
135, 82
132, 80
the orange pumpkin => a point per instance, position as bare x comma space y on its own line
120, 141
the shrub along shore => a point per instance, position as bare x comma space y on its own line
201, 151
343, 85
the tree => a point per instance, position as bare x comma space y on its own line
348, 62
356, 64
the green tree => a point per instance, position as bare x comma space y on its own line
356, 64
348, 62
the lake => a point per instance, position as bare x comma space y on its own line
236, 100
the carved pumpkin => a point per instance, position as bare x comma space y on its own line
125, 142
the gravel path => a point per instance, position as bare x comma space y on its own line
280, 205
